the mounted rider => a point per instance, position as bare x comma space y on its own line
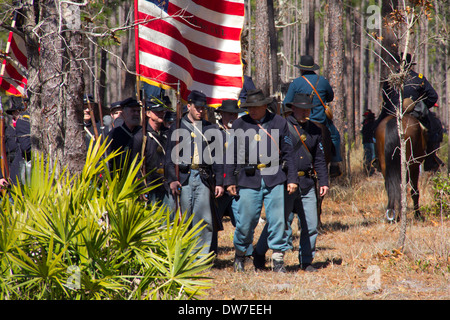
322, 93
419, 97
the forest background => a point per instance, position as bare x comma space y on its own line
348, 39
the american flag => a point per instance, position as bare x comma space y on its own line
195, 42
13, 71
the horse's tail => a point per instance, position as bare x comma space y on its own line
393, 166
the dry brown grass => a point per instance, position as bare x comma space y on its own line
355, 245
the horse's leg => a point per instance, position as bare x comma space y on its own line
414, 179
391, 214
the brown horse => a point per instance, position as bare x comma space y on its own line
388, 153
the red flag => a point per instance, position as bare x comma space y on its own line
13, 72
196, 42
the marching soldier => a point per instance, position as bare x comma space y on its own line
23, 136
12, 151
115, 111
91, 132
121, 137
261, 167
309, 161
154, 149
229, 112
200, 179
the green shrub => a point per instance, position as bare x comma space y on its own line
441, 196
89, 237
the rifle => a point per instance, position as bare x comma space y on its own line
3, 159
100, 111
144, 129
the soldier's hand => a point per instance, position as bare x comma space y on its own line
323, 190
292, 187
219, 191
232, 190
3, 183
175, 187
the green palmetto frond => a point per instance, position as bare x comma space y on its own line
96, 221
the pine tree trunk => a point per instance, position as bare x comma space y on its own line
336, 64
262, 47
55, 84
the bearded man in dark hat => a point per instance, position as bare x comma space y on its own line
304, 84
122, 137
262, 165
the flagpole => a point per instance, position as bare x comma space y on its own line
138, 88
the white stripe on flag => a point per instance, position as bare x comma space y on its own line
181, 60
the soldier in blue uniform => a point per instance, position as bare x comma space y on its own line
115, 112
200, 178
122, 137
325, 91
12, 150
229, 111
261, 167
418, 90
154, 151
88, 126
309, 161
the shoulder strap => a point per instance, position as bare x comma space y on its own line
304, 145
314, 88
157, 141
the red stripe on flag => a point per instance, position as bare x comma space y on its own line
216, 80
202, 46
165, 53
162, 77
202, 25
194, 48
225, 7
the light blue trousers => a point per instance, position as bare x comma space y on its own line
307, 207
195, 200
249, 207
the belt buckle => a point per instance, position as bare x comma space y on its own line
301, 173
195, 166
261, 166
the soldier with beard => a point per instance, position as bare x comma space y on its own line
122, 137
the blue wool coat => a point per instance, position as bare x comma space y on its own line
323, 87
216, 167
313, 157
246, 150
